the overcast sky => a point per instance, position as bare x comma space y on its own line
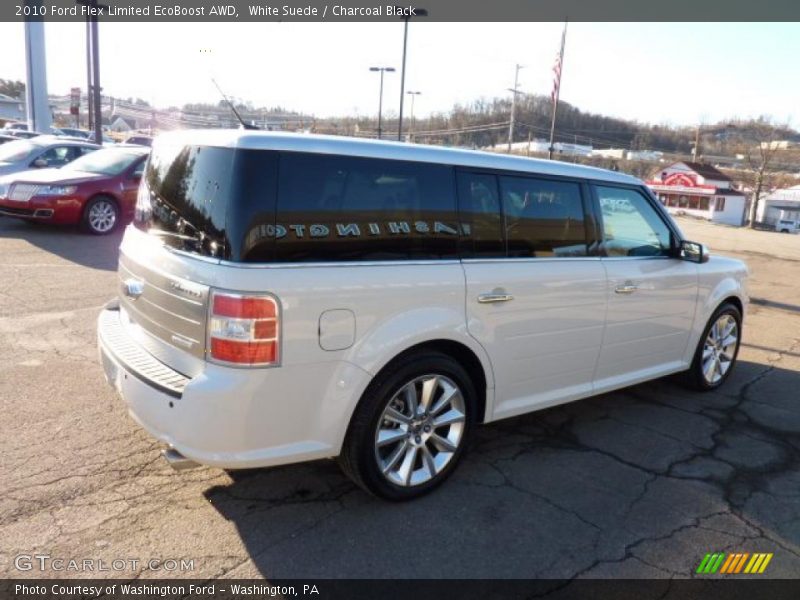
654, 72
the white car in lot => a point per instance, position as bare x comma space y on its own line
286, 298
44, 151
788, 226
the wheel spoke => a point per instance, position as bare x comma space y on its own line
427, 461
442, 443
429, 387
407, 467
448, 418
390, 436
708, 369
395, 416
446, 398
395, 457
410, 395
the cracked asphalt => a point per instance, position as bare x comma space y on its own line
639, 483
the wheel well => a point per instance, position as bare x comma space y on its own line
735, 301
465, 356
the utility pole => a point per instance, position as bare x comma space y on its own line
514, 93
557, 70
93, 66
696, 143
89, 109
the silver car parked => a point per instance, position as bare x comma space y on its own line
40, 152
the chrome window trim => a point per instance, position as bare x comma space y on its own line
353, 263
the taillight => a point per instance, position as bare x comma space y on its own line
243, 329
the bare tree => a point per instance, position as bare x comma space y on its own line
762, 145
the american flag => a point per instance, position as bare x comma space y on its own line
557, 67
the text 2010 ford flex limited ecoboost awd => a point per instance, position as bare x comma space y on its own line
285, 298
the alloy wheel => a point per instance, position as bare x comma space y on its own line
102, 216
420, 430
719, 349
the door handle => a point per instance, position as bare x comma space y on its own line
493, 297
627, 288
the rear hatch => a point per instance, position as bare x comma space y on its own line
195, 205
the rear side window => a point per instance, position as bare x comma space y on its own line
337, 208
544, 218
481, 217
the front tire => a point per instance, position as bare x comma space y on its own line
101, 215
717, 350
410, 428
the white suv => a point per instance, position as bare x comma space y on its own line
293, 297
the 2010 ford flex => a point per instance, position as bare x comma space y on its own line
285, 298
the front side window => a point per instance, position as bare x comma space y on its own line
544, 218
631, 226
338, 208
57, 156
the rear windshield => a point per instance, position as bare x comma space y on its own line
265, 206
109, 161
17, 151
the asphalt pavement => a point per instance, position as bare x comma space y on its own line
639, 483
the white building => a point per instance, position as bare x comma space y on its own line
779, 205
618, 153
644, 155
539, 146
699, 190
11, 109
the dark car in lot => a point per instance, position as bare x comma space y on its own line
97, 191
139, 140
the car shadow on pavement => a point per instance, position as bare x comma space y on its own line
68, 242
639, 483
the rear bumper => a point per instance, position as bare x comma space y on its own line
232, 418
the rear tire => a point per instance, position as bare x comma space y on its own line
411, 427
717, 350
100, 215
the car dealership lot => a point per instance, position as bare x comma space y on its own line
638, 483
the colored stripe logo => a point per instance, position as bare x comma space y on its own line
734, 563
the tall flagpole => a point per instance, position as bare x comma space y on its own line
557, 69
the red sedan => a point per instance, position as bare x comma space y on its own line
97, 191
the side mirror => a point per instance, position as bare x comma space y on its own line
693, 252
40, 163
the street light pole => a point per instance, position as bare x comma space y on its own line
411, 129
380, 97
419, 12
